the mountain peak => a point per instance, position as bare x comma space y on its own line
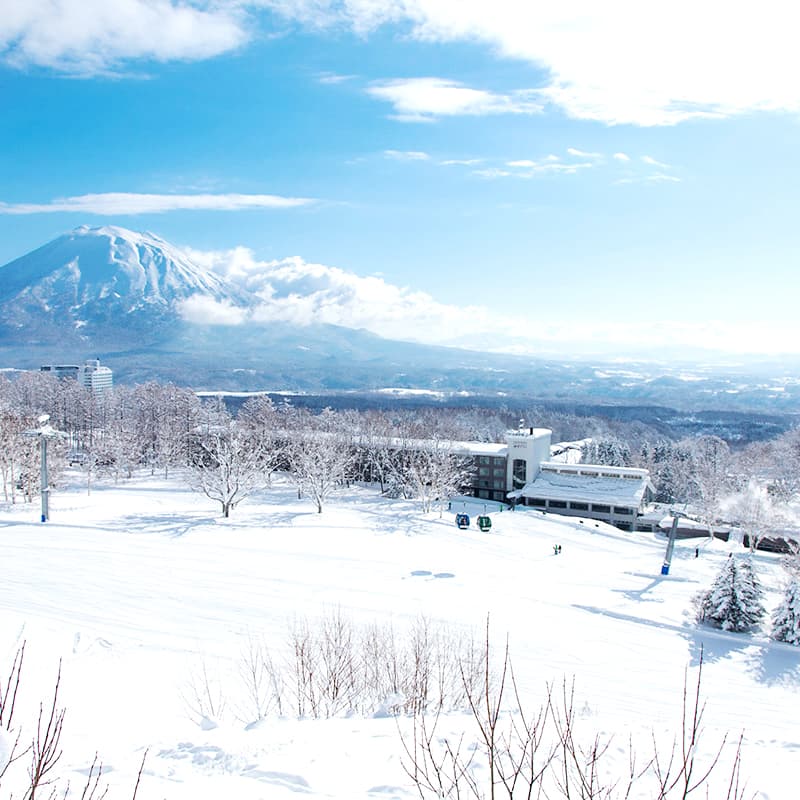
116, 232
101, 278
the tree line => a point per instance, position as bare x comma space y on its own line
162, 427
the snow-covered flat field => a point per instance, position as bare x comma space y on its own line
146, 595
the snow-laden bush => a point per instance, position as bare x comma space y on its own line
786, 617
733, 602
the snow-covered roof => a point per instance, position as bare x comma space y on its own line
480, 448
568, 452
572, 485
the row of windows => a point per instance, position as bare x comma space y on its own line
493, 460
574, 506
499, 484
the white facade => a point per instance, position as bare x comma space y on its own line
527, 449
95, 378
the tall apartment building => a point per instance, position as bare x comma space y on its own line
94, 377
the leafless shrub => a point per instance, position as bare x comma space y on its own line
514, 753
332, 667
204, 698
43, 750
262, 682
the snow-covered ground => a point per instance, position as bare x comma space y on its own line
142, 587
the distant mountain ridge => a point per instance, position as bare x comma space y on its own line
121, 296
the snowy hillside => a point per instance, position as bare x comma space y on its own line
153, 602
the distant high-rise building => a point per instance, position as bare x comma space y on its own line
94, 377
91, 375
61, 370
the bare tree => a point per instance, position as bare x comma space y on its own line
431, 472
711, 459
319, 458
756, 513
226, 464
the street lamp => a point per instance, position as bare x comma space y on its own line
44, 433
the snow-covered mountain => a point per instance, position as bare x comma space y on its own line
103, 283
151, 311
124, 297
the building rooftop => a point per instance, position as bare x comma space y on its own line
587, 487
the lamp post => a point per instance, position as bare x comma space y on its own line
44, 433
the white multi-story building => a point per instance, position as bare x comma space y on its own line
524, 471
94, 377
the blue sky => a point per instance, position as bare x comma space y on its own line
618, 179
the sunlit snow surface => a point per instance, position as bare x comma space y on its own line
139, 586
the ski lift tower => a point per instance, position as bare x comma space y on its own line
45, 432
673, 532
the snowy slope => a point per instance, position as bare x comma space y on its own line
142, 587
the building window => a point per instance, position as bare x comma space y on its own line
557, 504
537, 501
601, 509
519, 472
621, 510
579, 506
483, 471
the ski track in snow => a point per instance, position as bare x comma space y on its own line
141, 585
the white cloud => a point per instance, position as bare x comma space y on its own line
661, 178
619, 61
293, 290
622, 157
527, 168
207, 311
658, 177
461, 162
88, 37
332, 78
112, 203
573, 151
425, 99
296, 291
653, 163
492, 172
406, 155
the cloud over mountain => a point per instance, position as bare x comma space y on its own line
299, 292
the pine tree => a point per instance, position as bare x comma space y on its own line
733, 602
786, 618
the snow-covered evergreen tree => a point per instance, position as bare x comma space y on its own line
786, 617
733, 602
